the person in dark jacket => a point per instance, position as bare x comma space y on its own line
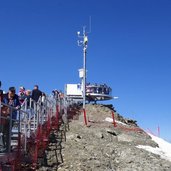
1, 123
28, 96
29, 105
10, 99
1, 95
1, 92
36, 93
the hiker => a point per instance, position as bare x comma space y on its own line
10, 99
36, 93
22, 95
29, 105
1, 122
1, 93
28, 97
43, 98
55, 94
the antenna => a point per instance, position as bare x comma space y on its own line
84, 34
83, 39
89, 25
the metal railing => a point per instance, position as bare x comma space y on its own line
31, 115
7, 123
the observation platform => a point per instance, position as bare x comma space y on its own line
94, 92
97, 92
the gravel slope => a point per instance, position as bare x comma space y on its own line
101, 147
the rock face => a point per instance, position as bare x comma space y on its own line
103, 147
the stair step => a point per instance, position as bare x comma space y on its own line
14, 143
14, 136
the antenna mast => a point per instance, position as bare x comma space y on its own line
83, 41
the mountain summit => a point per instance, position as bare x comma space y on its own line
102, 147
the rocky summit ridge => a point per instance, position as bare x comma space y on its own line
102, 147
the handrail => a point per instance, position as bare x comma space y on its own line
13, 108
31, 116
10, 119
34, 122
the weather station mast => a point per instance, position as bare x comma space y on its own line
83, 42
86, 92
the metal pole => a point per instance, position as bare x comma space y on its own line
10, 130
83, 43
84, 66
35, 116
84, 76
19, 133
25, 125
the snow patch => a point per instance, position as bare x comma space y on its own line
119, 122
108, 119
164, 149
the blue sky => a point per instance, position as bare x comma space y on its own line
129, 49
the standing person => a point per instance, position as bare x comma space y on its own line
43, 102
1, 93
0, 88
10, 99
28, 97
43, 98
55, 94
36, 93
1, 122
4, 114
22, 95
29, 108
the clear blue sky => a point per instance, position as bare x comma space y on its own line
129, 49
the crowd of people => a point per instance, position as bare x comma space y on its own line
11, 98
10, 104
16, 100
98, 88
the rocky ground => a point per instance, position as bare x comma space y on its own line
102, 147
